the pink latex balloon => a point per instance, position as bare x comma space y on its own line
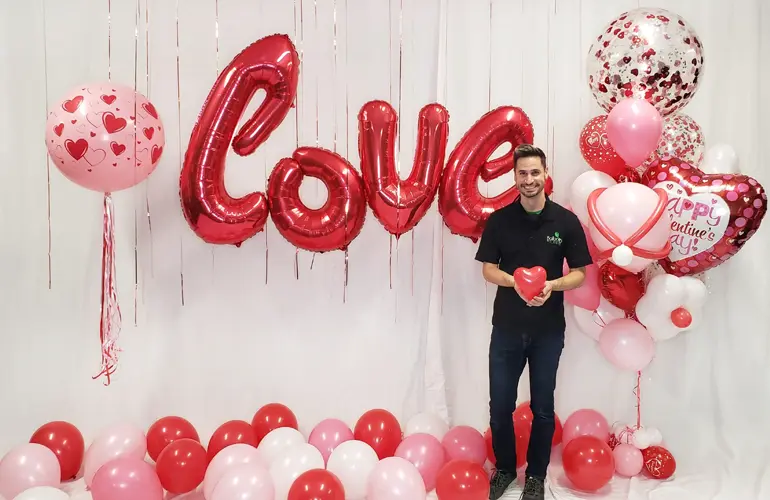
394, 478
627, 345
585, 422
328, 434
624, 209
126, 478
588, 295
465, 443
26, 466
123, 440
245, 482
634, 128
105, 137
426, 453
230, 456
628, 460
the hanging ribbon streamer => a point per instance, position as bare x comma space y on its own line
109, 328
181, 154
638, 394
136, 213
47, 157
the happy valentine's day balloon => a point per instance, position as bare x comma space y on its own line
712, 215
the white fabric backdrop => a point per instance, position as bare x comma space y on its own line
242, 339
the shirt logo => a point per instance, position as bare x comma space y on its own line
555, 239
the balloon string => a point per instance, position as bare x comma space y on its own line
266, 255
147, 89
390, 262
596, 316
109, 326
47, 157
136, 213
296, 263
345, 286
638, 394
179, 125
216, 69
109, 40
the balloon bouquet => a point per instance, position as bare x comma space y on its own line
646, 201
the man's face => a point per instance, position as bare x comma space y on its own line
530, 176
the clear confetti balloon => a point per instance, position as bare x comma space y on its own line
646, 53
682, 138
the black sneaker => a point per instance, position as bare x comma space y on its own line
501, 480
534, 489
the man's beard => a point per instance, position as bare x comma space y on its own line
533, 194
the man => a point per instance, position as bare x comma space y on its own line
531, 231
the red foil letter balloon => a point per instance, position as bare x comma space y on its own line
400, 204
271, 64
464, 209
331, 227
105, 137
712, 215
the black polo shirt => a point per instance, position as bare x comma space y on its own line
514, 238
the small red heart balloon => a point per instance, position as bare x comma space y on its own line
621, 288
530, 281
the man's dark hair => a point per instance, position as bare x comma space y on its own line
528, 151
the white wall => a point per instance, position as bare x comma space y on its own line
242, 338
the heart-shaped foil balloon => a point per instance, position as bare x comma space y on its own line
712, 215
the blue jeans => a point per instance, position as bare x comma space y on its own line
509, 351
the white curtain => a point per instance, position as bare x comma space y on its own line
212, 333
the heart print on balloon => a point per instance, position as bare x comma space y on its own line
712, 215
105, 137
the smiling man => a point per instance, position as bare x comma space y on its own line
531, 231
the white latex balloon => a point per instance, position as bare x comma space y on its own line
42, 493
278, 441
592, 322
293, 462
427, 423
582, 187
665, 293
353, 462
720, 159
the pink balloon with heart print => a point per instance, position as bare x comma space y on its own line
105, 136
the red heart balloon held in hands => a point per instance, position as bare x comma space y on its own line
530, 281
712, 215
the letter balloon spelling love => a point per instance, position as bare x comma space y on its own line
464, 209
105, 137
400, 204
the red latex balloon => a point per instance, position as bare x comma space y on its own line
522, 434
464, 209
167, 430
522, 419
588, 463
271, 64
597, 150
659, 462
338, 221
66, 441
229, 433
181, 466
271, 417
712, 215
530, 281
462, 480
400, 204
681, 317
621, 288
317, 484
380, 430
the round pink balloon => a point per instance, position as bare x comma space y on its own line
465, 443
628, 460
126, 478
26, 466
105, 137
426, 453
329, 434
634, 128
230, 456
626, 344
585, 422
395, 478
588, 295
122, 440
245, 482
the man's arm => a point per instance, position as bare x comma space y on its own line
493, 274
570, 281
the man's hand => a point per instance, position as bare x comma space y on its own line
544, 295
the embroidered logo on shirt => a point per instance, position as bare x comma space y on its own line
555, 239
